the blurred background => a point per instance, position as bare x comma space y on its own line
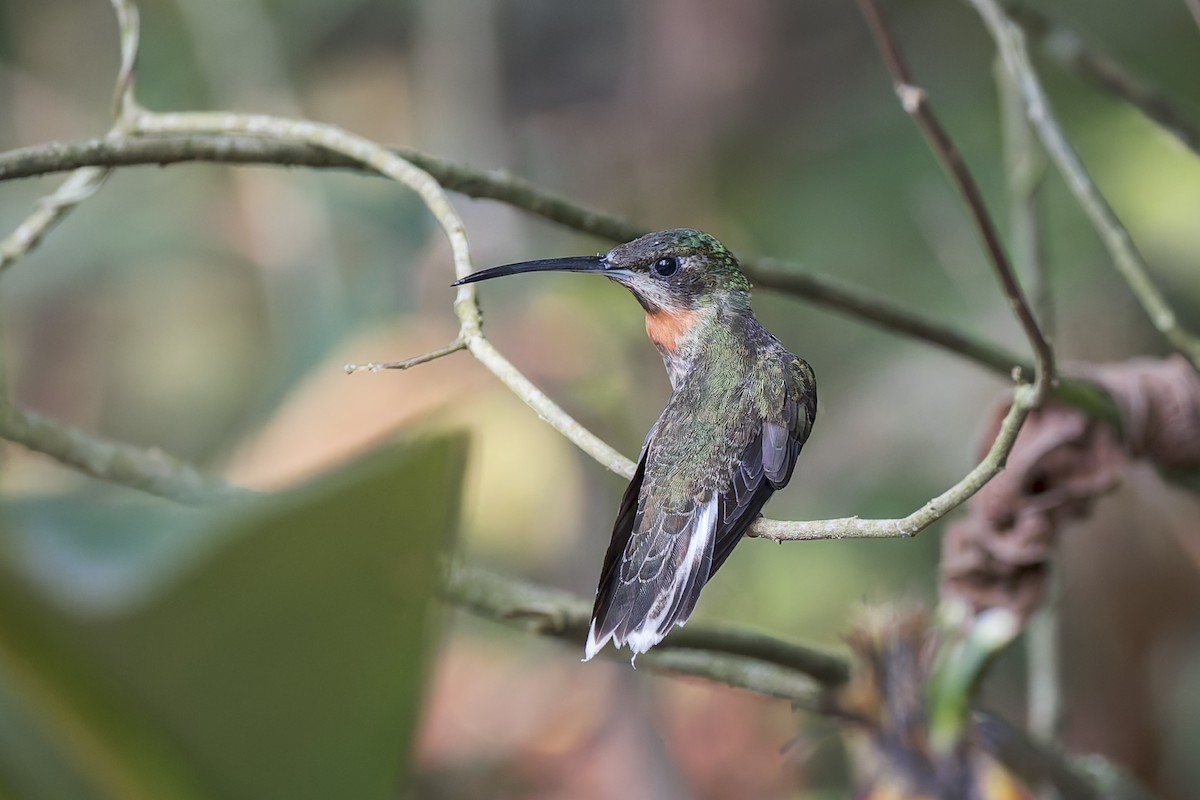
207, 311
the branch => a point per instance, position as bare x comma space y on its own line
914, 101
495, 185
548, 612
409, 363
1067, 48
1129, 262
854, 301
151, 471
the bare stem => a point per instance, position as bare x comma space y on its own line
916, 103
424, 358
380, 159
1010, 40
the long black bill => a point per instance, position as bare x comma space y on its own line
573, 264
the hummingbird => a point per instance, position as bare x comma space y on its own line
741, 407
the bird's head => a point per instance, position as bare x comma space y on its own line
675, 271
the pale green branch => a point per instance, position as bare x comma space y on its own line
378, 158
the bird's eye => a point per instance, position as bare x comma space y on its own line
666, 267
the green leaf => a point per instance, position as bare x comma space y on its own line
288, 661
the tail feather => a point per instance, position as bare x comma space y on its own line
640, 613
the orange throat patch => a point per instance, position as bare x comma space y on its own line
667, 328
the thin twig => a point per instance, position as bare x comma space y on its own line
916, 103
1010, 40
408, 363
1068, 48
151, 471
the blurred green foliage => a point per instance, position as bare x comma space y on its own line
281, 653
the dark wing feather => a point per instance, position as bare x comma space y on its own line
767, 461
